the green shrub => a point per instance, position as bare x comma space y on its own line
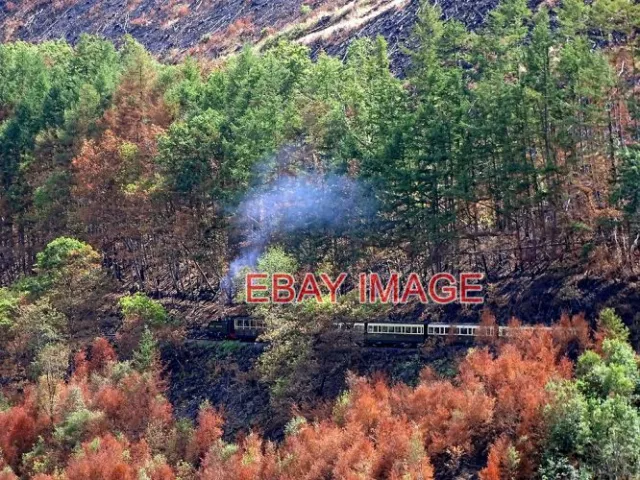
144, 308
63, 251
9, 301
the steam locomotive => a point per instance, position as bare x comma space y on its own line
248, 328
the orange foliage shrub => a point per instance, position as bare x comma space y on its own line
572, 329
495, 405
101, 459
209, 431
488, 333
499, 463
18, 433
102, 354
107, 458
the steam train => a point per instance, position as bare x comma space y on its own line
247, 328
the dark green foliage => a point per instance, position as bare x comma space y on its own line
187, 156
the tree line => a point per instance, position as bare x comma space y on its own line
505, 149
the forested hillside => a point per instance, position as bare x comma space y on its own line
135, 193
503, 149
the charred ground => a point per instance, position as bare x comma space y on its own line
216, 28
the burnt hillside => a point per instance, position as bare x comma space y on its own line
214, 28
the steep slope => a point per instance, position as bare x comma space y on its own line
214, 28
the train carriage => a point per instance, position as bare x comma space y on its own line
249, 328
400, 333
462, 330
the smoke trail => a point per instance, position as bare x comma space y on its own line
299, 204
